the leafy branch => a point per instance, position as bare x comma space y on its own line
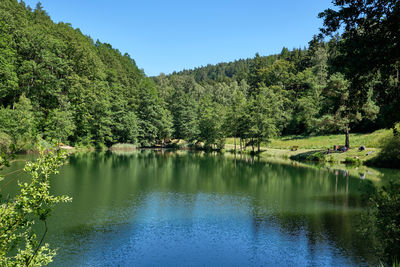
33, 202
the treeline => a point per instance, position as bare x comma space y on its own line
237, 70
58, 84
295, 92
339, 83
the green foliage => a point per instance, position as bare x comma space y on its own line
338, 115
266, 114
317, 156
354, 161
33, 204
8, 75
80, 91
367, 25
128, 127
389, 156
18, 123
5, 142
154, 120
235, 114
185, 117
59, 124
383, 220
211, 122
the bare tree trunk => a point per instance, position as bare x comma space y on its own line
234, 141
347, 145
240, 145
259, 147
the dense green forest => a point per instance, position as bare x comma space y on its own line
58, 84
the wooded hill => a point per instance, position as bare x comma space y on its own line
56, 83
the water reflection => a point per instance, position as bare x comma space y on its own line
185, 208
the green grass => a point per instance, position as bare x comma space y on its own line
371, 140
327, 141
313, 148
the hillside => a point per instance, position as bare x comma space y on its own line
59, 85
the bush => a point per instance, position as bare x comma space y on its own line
382, 221
332, 159
317, 156
5, 142
389, 157
350, 160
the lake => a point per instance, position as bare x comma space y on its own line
151, 208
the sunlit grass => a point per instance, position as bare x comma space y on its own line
307, 145
371, 140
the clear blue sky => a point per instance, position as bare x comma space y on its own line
163, 36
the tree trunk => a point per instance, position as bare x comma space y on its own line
259, 147
240, 145
347, 145
234, 142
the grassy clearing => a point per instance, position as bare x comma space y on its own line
352, 156
371, 140
314, 148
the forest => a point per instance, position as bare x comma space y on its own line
59, 85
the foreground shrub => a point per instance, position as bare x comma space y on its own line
382, 221
19, 243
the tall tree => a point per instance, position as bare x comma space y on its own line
341, 110
8, 74
235, 113
370, 47
18, 123
265, 114
59, 124
185, 116
211, 122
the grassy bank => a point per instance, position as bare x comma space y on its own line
314, 148
324, 141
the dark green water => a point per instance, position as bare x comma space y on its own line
153, 208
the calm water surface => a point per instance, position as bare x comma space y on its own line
153, 208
